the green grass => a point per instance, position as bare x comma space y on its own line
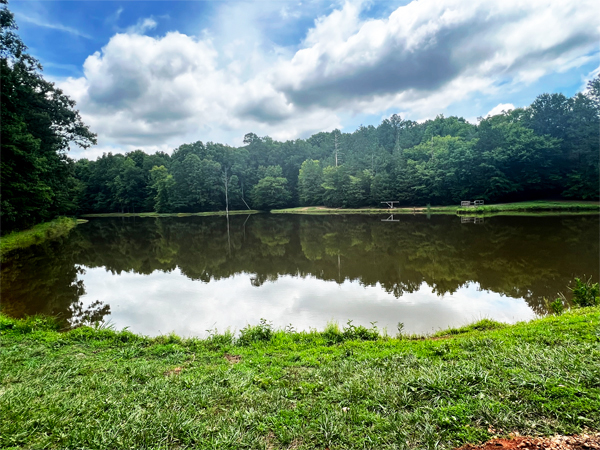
324, 210
540, 205
35, 235
155, 214
342, 388
534, 207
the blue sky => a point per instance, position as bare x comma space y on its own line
154, 74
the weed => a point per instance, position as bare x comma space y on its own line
585, 293
400, 329
353, 332
216, 341
256, 333
557, 307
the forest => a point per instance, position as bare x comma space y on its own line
548, 149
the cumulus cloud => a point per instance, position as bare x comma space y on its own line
425, 46
426, 55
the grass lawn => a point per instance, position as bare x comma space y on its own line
339, 389
35, 235
540, 205
518, 207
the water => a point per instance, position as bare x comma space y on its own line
191, 274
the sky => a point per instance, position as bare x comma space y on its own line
153, 75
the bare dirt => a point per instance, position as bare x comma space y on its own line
233, 359
578, 442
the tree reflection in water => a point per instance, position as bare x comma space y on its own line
522, 257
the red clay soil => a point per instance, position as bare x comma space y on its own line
578, 442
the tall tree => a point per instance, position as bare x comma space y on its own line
39, 123
310, 180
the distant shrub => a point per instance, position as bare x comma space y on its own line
256, 333
585, 293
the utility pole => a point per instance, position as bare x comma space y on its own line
335, 140
226, 181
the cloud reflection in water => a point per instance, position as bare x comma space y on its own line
161, 302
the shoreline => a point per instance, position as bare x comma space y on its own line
337, 388
45, 231
540, 206
155, 214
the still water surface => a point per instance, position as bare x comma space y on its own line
191, 274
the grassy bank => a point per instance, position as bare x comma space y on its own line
325, 210
154, 214
339, 389
540, 206
35, 235
535, 206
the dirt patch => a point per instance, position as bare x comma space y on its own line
233, 359
578, 442
272, 443
175, 371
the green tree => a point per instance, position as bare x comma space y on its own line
270, 193
39, 123
336, 182
310, 180
161, 186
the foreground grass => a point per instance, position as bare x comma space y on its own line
97, 388
35, 235
155, 214
539, 206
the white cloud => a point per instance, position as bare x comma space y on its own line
499, 109
589, 77
142, 26
163, 91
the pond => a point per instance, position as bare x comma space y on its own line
193, 274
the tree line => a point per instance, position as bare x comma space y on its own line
548, 149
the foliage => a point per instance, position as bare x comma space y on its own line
39, 123
270, 193
585, 293
310, 180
